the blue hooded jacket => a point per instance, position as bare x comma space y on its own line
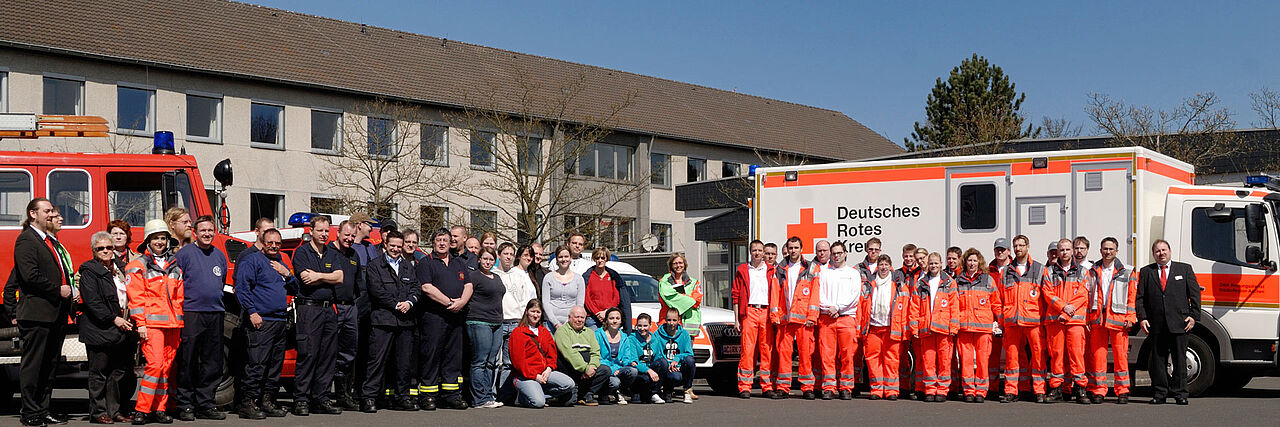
612, 360
633, 352
671, 348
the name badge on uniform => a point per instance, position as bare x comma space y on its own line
1177, 277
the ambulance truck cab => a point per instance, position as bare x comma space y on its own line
1228, 235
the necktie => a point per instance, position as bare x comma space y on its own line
64, 261
1164, 276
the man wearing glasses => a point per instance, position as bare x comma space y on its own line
867, 267
260, 288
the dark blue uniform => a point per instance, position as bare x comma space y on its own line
317, 329
391, 283
348, 313
441, 331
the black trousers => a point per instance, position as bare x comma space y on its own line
389, 346
317, 333
1168, 345
200, 358
41, 347
266, 359
348, 340
443, 342
109, 366
596, 384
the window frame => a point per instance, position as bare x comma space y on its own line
471, 223
444, 221
666, 170
215, 129
64, 77
1193, 220
995, 208
311, 203
737, 169
471, 158
4, 89
337, 130
688, 162
575, 168
48, 179
281, 216
392, 149
31, 191
280, 134
422, 140
522, 155
664, 242
150, 128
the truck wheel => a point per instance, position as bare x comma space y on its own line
232, 366
1202, 365
8, 386
1231, 380
724, 379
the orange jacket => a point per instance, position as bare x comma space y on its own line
740, 293
802, 306
1020, 294
941, 318
1117, 306
978, 302
155, 294
899, 307
1066, 286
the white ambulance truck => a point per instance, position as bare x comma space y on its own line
1228, 235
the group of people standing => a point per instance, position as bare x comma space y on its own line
1014, 320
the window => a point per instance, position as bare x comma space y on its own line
715, 274
607, 161
382, 211
326, 205
204, 118
696, 170
15, 192
660, 170
382, 137
135, 110
523, 236
1222, 239
530, 156
978, 206
482, 150
730, 169
63, 96
326, 131
266, 205
609, 232
4, 91
663, 233
266, 126
483, 221
435, 145
135, 197
430, 219
69, 192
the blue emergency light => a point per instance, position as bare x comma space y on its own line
752, 170
163, 143
1256, 180
301, 219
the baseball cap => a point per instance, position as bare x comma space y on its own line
1053, 246
360, 217
1002, 243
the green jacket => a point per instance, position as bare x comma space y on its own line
688, 302
579, 348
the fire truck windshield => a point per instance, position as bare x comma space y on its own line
137, 196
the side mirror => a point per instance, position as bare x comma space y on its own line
1253, 254
1255, 222
222, 172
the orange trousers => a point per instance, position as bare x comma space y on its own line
882, 361
1068, 341
160, 347
937, 353
798, 337
838, 341
757, 343
975, 353
1099, 338
1015, 338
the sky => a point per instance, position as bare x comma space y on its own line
876, 62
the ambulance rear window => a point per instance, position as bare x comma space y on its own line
15, 192
977, 207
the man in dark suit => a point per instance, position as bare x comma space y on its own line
45, 280
1168, 307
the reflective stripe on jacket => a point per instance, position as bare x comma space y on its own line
899, 308
1113, 310
1066, 286
978, 303
1020, 294
155, 294
803, 304
939, 319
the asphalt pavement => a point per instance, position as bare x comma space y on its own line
1256, 404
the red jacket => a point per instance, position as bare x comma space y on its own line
1021, 295
941, 318
803, 304
155, 294
1118, 306
978, 303
531, 355
899, 307
1066, 286
740, 292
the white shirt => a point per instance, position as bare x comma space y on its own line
793, 276
1107, 273
839, 289
122, 292
581, 265
758, 284
520, 290
933, 290
1022, 268
1086, 264
881, 300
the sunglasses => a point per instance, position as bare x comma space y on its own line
104, 248
265, 243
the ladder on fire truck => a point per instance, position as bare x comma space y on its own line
30, 126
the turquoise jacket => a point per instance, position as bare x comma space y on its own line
637, 353
671, 348
612, 360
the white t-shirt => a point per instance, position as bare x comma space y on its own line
839, 288
581, 265
793, 277
933, 290
758, 284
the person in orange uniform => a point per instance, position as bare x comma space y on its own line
1066, 306
1112, 311
913, 379
153, 283
978, 310
934, 323
753, 284
794, 317
995, 364
1021, 287
886, 300
839, 330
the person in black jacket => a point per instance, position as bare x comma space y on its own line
44, 283
393, 291
105, 330
1168, 307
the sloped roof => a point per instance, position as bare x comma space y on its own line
249, 41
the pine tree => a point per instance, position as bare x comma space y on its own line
977, 103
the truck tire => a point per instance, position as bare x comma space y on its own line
1202, 365
8, 386
232, 363
724, 379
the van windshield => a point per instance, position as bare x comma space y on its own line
136, 196
644, 289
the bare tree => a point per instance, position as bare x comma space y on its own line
535, 144
378, 164
1199, 131
1266, 103
1059, 128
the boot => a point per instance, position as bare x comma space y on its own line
426, 402
247, 411
269, 408
342, 387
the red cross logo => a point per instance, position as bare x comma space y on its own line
807, 230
